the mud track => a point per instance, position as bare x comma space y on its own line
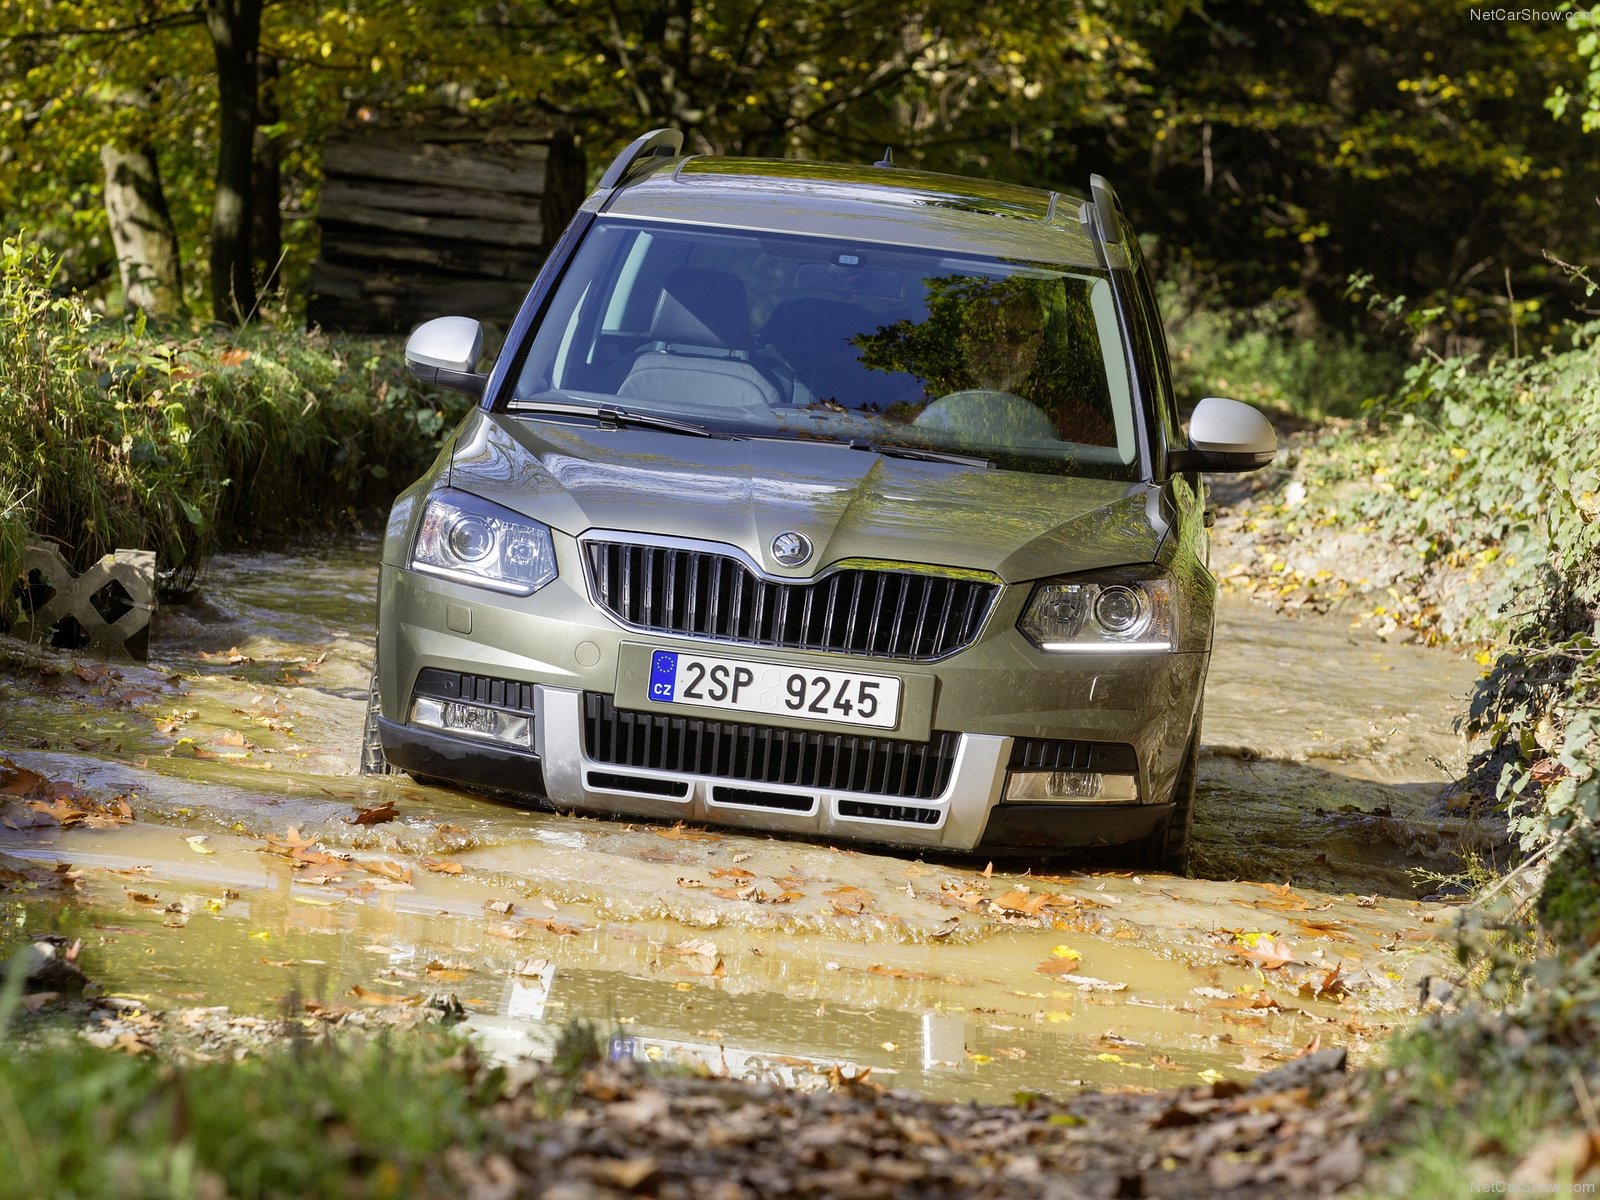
259, 870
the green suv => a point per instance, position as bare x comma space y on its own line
842, 501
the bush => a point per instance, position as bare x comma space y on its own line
112, 437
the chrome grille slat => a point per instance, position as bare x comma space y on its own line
767, 754
876, 613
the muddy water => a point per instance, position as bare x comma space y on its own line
741, 953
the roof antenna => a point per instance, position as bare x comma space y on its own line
888, 158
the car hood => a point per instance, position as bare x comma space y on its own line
852, 504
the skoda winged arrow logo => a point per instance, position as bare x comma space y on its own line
791, 548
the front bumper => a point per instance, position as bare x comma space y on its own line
967, 814
564, 661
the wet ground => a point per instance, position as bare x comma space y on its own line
250, 875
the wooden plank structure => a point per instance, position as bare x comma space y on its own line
421, 220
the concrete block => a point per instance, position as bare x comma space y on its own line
106, 609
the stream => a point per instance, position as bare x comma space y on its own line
246, 879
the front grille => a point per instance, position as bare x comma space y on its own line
876, 613
475, 689
751, 798
1054, 754
904, 813
765, 754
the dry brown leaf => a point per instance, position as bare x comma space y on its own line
1057, 966
370, 997
682, 833
376, 815
389, 870
1329, 987
442, 866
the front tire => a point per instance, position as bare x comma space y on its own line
373, 761
1167, 848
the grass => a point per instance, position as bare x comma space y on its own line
111, 436
364, 1117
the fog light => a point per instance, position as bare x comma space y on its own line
473, 720
1071, 786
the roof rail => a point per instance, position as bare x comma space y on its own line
1105, 208
662, 143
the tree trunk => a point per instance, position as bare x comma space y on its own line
141, 230
235, 28
266, 235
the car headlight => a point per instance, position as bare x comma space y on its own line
470, 540
1064, 616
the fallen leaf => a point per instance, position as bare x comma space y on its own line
503, 907
197, 843
389, 870
370, 997
442, 867
376, 815
1329, 987
681, 833
532, 967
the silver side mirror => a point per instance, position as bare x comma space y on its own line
1225, 435
444, 352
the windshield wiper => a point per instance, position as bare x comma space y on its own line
612, 414
964, 460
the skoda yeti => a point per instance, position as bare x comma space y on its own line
846, 502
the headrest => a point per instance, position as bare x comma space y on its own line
703, 308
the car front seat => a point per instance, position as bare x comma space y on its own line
703, 344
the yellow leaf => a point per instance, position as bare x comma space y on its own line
1056, 1018
1111, 1058
197, 843
1066, 952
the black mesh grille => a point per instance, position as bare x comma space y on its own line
764, 754
890, 812
475, 689
1053, 754
881, 614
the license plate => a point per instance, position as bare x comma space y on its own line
805, 693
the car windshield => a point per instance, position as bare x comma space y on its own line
891, 348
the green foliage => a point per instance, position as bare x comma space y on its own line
338, 1119
111, 437
1487, 475
1584, 97
1472, 1093
1254, 355
1285, 146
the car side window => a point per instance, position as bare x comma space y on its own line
1152, 340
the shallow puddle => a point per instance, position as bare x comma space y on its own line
748, 954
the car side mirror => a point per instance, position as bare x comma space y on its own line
1225, 435
443, 352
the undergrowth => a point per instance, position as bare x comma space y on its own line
113, 437
357, 1118
1483, 479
